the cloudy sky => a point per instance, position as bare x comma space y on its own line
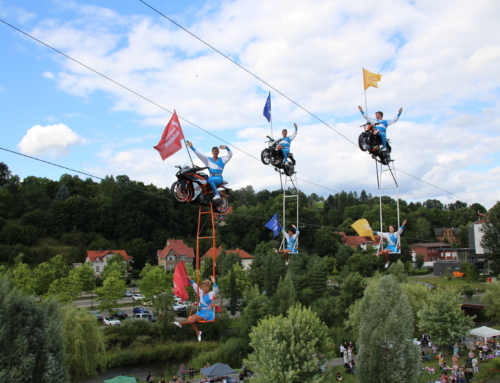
440, 61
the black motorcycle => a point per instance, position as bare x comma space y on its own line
371, 142
191, 186
274, 155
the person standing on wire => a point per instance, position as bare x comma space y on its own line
286, 141
215, 165
383, 124
206, 313
291, 239
392, 239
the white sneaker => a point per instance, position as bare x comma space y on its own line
275, 250
178, 324
384, 149
286, 263
217, 197
199, 337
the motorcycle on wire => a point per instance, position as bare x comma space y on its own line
192, 186
274, 155
371, 142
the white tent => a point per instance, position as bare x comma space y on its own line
484, 332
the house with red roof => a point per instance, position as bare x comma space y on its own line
174, 252
221, 217
246, 259
356, 240
99, 258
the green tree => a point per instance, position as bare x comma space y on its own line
256, 307
442, 317
31, 341
326, 242
287, 349
417, 294
491, 299
419, 261
5, 174
397, 270
363, 263
386, 349
111, 290
421, 229
285, 296
241, 278
234, 292
352, 288
85, 343
85, 274
63, 193
154, 283
43, 276
66, 289
115, 264
491, 239
22, 276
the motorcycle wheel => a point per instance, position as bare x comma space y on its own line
290, 158
363, 142
385, 158
265, 156
223, 205
289, 169
179, 194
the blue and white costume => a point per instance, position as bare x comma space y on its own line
291, 240
285, 144
382, 128
206, 311
215, 167
392, 239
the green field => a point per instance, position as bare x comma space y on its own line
458, 283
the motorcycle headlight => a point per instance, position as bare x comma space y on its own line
270, 144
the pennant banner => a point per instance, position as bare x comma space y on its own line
181, 281
267, 108
371, 79
363, 228
274, 225
170, 142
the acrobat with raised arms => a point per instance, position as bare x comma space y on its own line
392, 240
291, 242
215, 165
206, 313
382, 124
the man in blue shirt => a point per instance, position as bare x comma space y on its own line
383, 124
285, 142
215, 165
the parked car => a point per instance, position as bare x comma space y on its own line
111, 322
140, 309
96, 314
128, 294
177, 307
138, 297
239, 303
145, 316
120, 314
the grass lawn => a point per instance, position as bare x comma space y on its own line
424, 378
458, 283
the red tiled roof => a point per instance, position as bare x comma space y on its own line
427, 245
178, 247
92, 255
241, 253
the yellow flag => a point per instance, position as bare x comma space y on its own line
363, 228
371, 79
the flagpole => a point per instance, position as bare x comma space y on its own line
188, 151
271, 124
364, 86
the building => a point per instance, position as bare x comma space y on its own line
355, 240
449, 235
246, 259
174, 252
475, 237
431, 251
99, 258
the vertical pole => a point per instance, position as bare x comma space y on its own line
189, 154
198, 251
364, 86
271, 124
214, 240
381, 244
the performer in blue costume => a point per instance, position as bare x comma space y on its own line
383, 124
291, 239
286, 141
215, 165
392, 239
206, 299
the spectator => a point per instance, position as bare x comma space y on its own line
474, 365
471, 356
191, 372
182, 371
342, 350
338, 377
149, 377
434, 351
455, 350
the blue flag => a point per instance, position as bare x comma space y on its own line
267, 108
274, 225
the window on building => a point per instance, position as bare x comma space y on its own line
97, 269
170, 267
183, 257
171, 258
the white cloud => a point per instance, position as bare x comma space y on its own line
53, 140
48, 75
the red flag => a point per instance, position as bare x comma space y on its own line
181, 280
170, 142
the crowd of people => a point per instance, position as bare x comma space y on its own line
175, 379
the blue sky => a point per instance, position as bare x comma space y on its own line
444, 74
